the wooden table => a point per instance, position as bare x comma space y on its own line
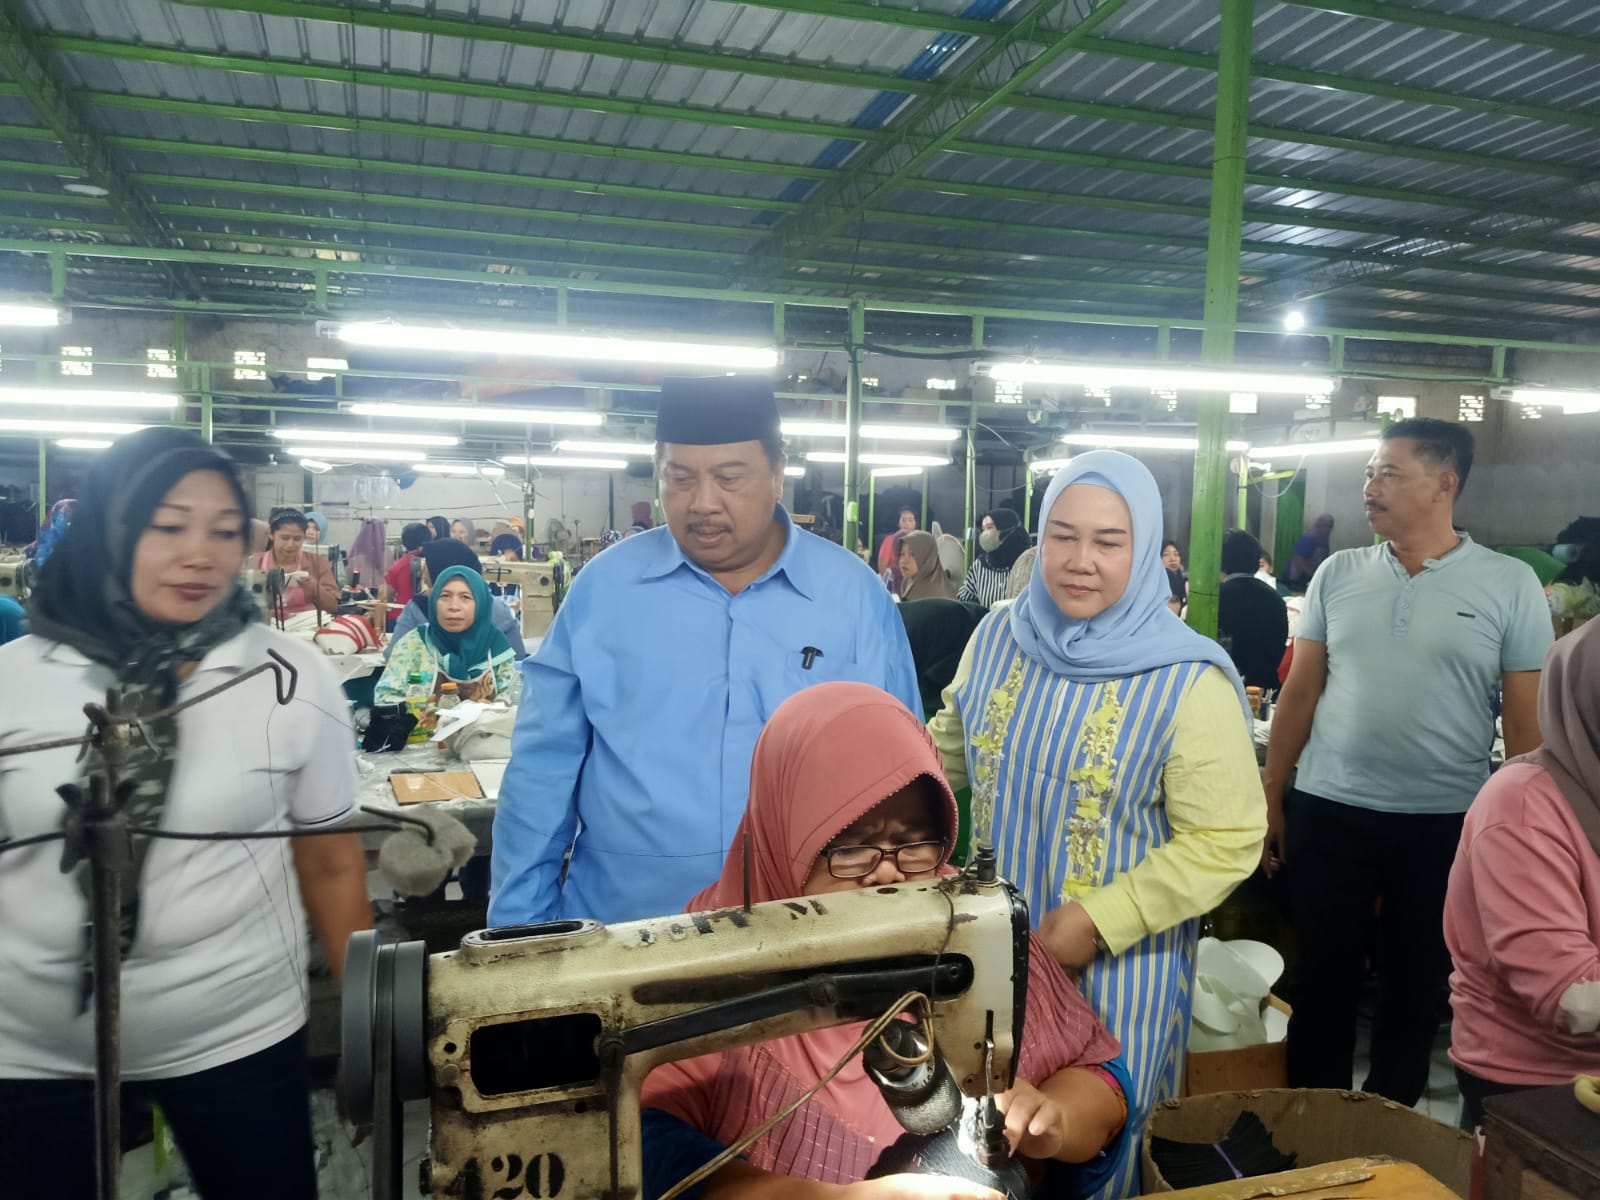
1540, 1145
1347, 1179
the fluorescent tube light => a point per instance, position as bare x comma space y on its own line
488, 413
1044, 466
363, 437
316, 466
565, 460
83, 444
1294, 320
1571, 402
450, 468
877, 432
874, 459
529, 344
795, 471
71, 397
1143, 441
895, 472
1307, 449
36, 316
47, 426
1174, 379
353, 454
607, 449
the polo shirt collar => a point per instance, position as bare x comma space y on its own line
1433, 564
669, 557
232, 655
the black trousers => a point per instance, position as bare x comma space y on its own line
1475, 1090
244, 1129
1342, 861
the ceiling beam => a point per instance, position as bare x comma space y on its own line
712, 162
442, 86
1330, 81
656, 53
450, 133
883, 14
582, 101
57, 107
1422, 18
1005, 65
1042, 315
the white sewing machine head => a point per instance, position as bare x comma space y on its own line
536, 583
14, 577
532, 1041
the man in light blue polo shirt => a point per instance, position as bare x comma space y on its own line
1387, 709
641, 708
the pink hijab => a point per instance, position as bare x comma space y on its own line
828, 756
1569, 720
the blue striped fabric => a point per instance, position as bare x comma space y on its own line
1066, 746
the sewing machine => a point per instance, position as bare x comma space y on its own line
266, 587
532, 1041
13, 577
536, 585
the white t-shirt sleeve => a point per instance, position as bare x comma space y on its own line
325, 788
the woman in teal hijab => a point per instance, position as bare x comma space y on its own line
458, 644
1109, 754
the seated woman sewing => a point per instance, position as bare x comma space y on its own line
847, 792
458, 644
310, 579
437, 557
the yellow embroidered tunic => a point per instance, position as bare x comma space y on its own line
1138, 797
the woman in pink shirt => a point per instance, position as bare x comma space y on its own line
1522, 917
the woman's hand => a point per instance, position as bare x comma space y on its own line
1070, 934
1036, 1124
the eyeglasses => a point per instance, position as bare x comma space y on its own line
856, 862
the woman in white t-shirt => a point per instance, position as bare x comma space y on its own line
141, 605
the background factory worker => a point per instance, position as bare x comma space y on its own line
311, 583
438, 556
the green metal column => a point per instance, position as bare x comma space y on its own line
852, 428
1243, 515
923, 524
1221, 309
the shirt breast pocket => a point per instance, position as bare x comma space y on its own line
802, 670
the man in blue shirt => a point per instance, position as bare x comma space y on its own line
1400, 649
641, 709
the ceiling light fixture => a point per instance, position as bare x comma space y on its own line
486, 413
874, 459
71, 397
364, 437
1307, 449
1045, 465
895, 472
1142, 441
83, 444
1294, 320
1573, 402
573, 461
33, 316
529, 344
354, 454
450, 468
795, 472
885, 433
46, 426
607, 449
1175, 379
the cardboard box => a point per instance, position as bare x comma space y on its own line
417, 786
1348, 1179
1247, 1069
1318, 1127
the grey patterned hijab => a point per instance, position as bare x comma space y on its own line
84, 600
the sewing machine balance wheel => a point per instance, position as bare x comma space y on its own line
384, 1044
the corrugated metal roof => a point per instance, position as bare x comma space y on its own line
483, 124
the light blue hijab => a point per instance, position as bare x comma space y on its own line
1138, 632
